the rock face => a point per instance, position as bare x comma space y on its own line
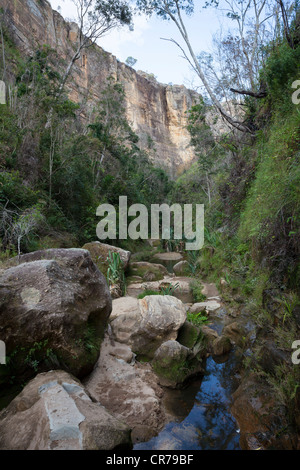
156, 112
54, 307
145, 324
54, 412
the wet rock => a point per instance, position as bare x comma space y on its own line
174, 364
54, 308
55, 412
221, 346
210, 335
236, 332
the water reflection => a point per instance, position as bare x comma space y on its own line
201, 414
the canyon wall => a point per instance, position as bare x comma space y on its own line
156, 112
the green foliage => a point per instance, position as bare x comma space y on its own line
196, 288
270, 219
130, 61
115, 271
148, 292
14, 193
167, 290
170, 289
281, 69
197, 319
69, 168
10, 136
284, 383
112, 10
162, 8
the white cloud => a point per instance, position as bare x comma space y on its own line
116, 40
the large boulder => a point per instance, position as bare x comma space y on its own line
54, 412
145, 324
54, 308
100, 251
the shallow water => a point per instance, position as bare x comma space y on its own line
201, 413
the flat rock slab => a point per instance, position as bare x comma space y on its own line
208, 306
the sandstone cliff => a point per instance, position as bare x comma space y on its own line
156, 112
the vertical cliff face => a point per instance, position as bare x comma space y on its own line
156, 112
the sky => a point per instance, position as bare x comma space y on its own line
144, 43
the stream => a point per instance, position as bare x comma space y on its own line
199, 415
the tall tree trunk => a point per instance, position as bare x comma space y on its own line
195, 63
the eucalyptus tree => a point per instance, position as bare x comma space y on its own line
95, 18
174, 10
250, 18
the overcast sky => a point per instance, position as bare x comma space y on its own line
153, 54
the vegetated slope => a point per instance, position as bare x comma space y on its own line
252, 238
